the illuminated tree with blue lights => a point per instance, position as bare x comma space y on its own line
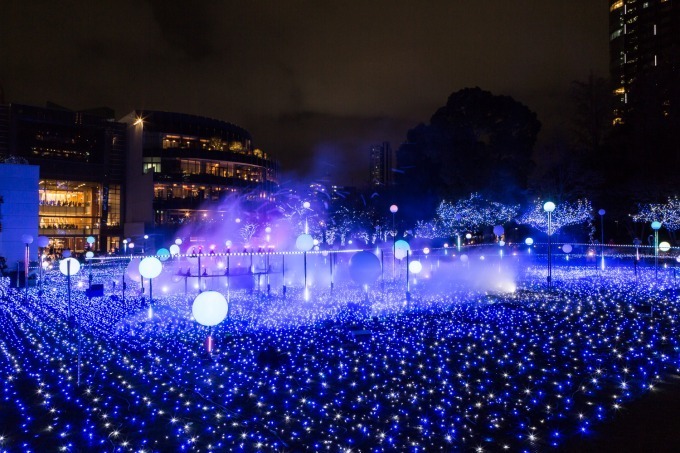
472, 214
566, 213
667, 213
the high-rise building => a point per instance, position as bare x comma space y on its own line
380, 165
644, 47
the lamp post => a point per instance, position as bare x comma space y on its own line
655, 226
393, 209
68, 267
90, 254
304, 243
267, 230
150, 267
549, 207
43, 241
27, 239
125, 243
146, 236
71, 266
601, 212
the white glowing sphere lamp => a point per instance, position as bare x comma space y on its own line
150, 267
664, 246
210, 308
415, 267
401, 249
549, 206
529, 241
304, 242
71, 263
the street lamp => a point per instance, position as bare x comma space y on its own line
655, 226
304, 243
602, 212
150, 267
146, 236
549, 207
393, 209
43, 241
68, 267
27, 239
125, 243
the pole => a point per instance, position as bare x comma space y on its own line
330, 261
394, 249
68, 287
199, 274
26, 259
150, 298
283, 274
602, 237
79, 347
549, 250
656, 254
382, 265
305, 259
267, 264
40, 270
408, 283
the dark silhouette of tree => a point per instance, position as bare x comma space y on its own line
477, 142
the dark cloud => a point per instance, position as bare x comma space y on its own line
264, 64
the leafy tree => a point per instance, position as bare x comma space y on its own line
477, 142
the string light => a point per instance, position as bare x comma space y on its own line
456, 369
566, 213
667, 213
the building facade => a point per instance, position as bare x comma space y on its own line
380, 165
644, 44
81, 159
195, 164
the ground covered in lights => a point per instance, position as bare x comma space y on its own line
455, 370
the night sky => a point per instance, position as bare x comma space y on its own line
315, 82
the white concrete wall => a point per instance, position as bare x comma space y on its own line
18, 211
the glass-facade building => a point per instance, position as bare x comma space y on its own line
196, 163
81, 158
644, 43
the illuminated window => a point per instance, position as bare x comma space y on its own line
192, 167
114, 205
152, 164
